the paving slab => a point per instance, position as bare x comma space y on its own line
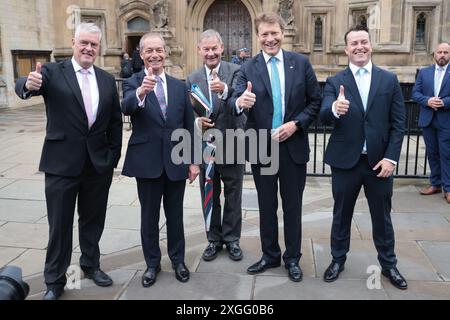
317, 225
122, 194
410, 226
123, 217
439, 255
412, 262
5, 182
22, 211
116, 240
252, 253
419, 290
24, 190
413, 202
24, 171
24, 235
8, 254
4, 166
270, 287
32, 261
201, 286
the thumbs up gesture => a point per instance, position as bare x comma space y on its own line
148, 84
341, 105
215, 84
34, 80
247, 99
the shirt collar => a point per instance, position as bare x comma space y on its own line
162, 75
438, 66
279, 56
77, 67
355, 68
208, 70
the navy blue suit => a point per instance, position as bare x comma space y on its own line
302, 103
148, 158
78, 162
382, 126
435, 124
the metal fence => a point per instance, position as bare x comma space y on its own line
413, 160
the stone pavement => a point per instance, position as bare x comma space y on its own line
422, 226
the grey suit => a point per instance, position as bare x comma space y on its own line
228, 229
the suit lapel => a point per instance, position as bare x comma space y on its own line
71, 78
101, 90
444, 80
374, 84
350, 85
262, 70
289, 70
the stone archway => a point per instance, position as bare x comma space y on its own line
139, 13
194, 25
232, 20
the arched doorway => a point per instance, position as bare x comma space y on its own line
232, 20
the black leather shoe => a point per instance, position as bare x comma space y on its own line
234, 251
294, 271
396, 278
98, 276
181, 272
332, 272
211, 251
261, 266
149, 276
53, 294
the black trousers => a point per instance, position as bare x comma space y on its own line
292, 178
91, 189
346, 185
172, 193
225, 228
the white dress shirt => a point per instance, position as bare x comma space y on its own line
95, 97
441, 77
280, 66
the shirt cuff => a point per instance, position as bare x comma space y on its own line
198, 130
333, 109
239, 110
224, 94
391, 161
141, 104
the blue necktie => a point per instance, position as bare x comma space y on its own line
277, 120
437, 80
362, 87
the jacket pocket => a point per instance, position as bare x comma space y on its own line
55, 136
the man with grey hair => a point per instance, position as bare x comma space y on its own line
81, 149
158, 105
215, 79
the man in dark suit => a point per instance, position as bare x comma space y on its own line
215, 79
280, 91
158, 105
366, 105
81, 149
432, 92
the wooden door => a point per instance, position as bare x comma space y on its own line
232, 20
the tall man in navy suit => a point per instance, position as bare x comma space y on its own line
366, 105
81, 149
158, 105
280, 93
432, 92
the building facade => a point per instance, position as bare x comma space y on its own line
403, 32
